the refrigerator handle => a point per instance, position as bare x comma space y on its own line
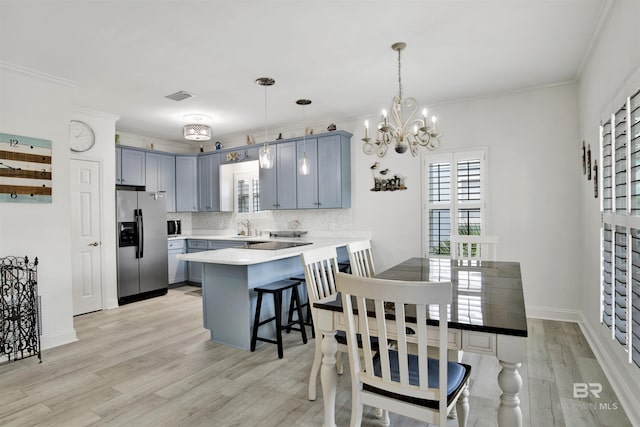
140, 234
137, 221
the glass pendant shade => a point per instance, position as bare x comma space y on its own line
303, 165
265, 157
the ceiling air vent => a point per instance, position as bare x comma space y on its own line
180, 95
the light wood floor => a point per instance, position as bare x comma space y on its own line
151, 364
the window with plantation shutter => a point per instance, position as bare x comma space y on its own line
455, 196
620, 234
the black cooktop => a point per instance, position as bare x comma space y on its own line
273, 245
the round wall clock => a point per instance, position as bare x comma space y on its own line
82, 136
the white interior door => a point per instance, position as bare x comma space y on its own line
86, 241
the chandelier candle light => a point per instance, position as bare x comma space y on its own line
303, 164
265, 155
407, 133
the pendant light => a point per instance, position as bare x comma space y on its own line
265, 155
304, 168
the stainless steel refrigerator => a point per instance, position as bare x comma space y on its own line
142, 245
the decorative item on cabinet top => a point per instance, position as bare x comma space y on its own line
25, 169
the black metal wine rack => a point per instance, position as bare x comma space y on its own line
19, 309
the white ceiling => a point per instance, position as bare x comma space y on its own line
126, 55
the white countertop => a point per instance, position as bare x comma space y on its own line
238, 256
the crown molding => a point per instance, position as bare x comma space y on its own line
33, 73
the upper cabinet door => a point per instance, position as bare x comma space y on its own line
168, 180
330, 173
209, 183
286, 175
307, 185
160, 173
118, 165
186, 183
152, 172
133, 167
268, 188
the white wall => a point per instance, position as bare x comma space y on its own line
36, 105
612, 71
532, 141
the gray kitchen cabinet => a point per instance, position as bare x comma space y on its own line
177, 268
334, 172
118, 165
307, 185
132, 167
278, 184
199, 245
160, 171
328, 185
186, 183
209, 182
195, 268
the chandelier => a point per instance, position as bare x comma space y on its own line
406, 132
265, 155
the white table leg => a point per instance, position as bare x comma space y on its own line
509, 413
329, 376
510, 356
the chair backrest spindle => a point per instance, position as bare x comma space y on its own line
361, 258
473, 247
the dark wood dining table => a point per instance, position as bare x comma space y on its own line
487, 316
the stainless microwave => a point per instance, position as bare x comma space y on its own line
174, 227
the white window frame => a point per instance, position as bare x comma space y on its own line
251, 214
454, 206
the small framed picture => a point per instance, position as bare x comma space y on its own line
595, 179
589, 162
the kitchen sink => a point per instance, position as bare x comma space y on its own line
271, 245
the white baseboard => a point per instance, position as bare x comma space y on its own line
561, 315
628, 398
60, 338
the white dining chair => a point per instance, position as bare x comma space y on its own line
320, 266
361, 258
398, 379
473, 247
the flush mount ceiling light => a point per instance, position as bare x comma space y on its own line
406, 132
265, 155
303, 164
197, 131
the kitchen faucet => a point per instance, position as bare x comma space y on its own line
247, 225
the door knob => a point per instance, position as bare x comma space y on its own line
94, 244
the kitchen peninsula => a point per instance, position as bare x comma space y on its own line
229, 275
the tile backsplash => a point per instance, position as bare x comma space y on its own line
316, 221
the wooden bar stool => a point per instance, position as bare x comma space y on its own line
309, 320
276, 289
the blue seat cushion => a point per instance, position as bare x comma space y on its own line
457, 375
